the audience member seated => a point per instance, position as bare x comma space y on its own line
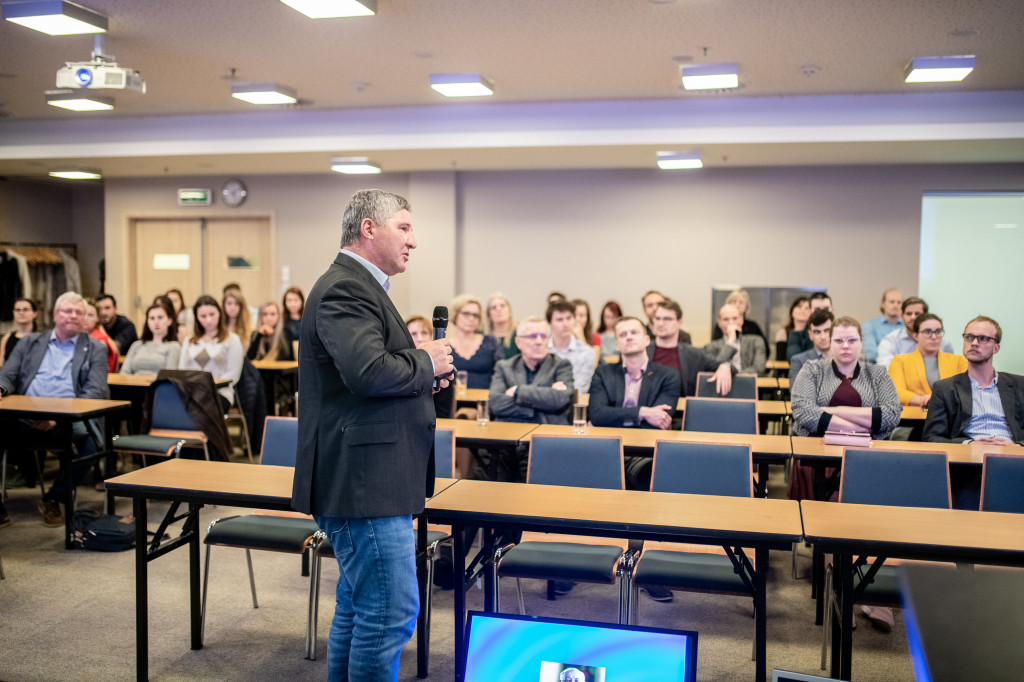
740, 299
799, 311
61, 363
91, 326
650, 301
236, 314
611, 312
899, 342
669, 350
889, 321
635, 392
820, 330
561, 316
213, 348
182, 314
472, 351
584, 327
843, 393
746, 352
26, 315
119, 327
501, 325
158, 349
915, 373
799, 341
270, 340
535, 387
555, 296
293, 303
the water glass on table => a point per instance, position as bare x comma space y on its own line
483, 416
461, 382
579, 418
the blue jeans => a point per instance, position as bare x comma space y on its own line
377, 597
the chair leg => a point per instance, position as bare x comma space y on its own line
826, 635
3, 477
431, 555
634, 604
311, 611
795, 545
202, 610
519, 593
252, 579
2, 576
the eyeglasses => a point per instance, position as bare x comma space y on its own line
536, 336
931, 333
847, 342
980, 338
469, 314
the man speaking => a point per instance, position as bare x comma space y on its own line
366, 430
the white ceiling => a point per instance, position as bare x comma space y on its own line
579, 83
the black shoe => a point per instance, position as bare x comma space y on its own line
5, 518
659, 594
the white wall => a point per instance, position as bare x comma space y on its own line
607, 233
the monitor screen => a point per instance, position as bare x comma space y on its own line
513, 648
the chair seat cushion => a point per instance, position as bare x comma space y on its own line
561, 561
157, 445
685, 571
272, 533
326, 549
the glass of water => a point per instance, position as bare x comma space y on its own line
579, 419
461, 381
482, 414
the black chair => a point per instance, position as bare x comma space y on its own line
171, 427
720, 415
1002, 483
744, 387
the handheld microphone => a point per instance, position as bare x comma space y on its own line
440, 322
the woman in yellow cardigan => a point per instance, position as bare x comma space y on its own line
914, 373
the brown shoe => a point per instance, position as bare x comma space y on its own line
52, 515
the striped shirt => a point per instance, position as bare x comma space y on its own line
987, 417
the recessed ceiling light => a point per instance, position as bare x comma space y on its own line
263, 93
330, 9
677, 161
461, 84
79, 100
939, 69
76, 173
355, 165
55, 17
710, 76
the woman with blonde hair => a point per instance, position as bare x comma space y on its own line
270, 340
473, 351
236, 314
501, 325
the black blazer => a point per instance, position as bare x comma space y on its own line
660, 386
693, 360
366, 417
951, 407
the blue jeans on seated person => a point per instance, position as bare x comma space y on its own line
377, 596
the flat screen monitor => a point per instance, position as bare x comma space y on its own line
512, 648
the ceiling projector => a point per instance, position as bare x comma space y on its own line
99, 74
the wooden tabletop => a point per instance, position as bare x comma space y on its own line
471, 395
767, 382
468, 430
276, 365
810, 448
764, 407
537, 507
646, 438
910, 530
57, 408
145, 380
777, 364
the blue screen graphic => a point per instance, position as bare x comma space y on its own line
517, 650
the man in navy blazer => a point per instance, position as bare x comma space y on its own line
366, 434
60, 363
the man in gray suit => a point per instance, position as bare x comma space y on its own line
366, 434
747, 352
60, 363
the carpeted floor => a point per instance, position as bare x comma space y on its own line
69, 615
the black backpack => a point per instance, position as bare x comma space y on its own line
102, 532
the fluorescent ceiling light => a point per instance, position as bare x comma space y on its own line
461, 84
710, 76
939, 69
674, 161
55, 17
76, 174
355, 165
263, 93
79, 100
328, 9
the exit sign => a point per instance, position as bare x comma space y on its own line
195, 197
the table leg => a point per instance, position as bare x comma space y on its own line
66, 457
141, 591
111, 468
459, 583
846, 620
191, 527
421, 580
760, 613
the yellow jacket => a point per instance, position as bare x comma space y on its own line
907, 372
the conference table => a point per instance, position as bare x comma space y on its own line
852, 530
737, 522
65, 412
196, 483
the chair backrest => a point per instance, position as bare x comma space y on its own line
168, 409
720, 415
580, 461
744, 387
702, 469
898, 478
1002, 483
444, 453
280, 441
